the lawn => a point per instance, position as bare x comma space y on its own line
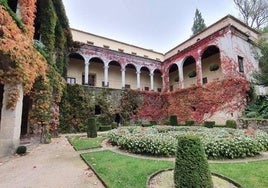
120, 171
83, 143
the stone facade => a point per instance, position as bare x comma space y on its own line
245, 123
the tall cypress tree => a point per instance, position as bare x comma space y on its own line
199, 23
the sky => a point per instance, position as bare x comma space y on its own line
152, 24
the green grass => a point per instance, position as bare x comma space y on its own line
120, 171
249, 175
83, 143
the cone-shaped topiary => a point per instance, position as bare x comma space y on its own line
173, 120
191, 166
91, 128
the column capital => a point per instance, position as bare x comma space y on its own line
106, 66
151, 74
123, 69
138, 72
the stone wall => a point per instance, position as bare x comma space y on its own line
245, 123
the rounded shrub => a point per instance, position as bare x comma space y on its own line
173, 120
21, 150
231, 124
209, 124
91, 128
191, 165
189, 123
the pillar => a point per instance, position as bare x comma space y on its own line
10, 122
199, 72
123, 77
181, 79
138, 79
106, 67
86, 72
152, 81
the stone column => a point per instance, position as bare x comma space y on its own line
10, 122
199, 72
123, 77
152, 81
181, 79
86, 72
106, 67
138, 79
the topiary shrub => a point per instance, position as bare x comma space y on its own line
91, 128
189, 123
231, 124
153, 123
209, 124
191, 166
173, 120
114, 125
21, 150
105, 128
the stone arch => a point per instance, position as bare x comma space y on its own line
158, 80
211, 64
115, 74
131, 76
145, 78
75, 67
96, 72
189, 71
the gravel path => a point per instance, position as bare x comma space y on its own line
47, 166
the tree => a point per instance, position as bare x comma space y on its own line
261, 77
254, 12
199, 23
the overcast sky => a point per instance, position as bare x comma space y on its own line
154, 24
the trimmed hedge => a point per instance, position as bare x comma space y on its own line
105, 128
91, 128
173, 120
21, 150
209, 124
231, 124
189, 123
191, 165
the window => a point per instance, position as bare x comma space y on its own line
120, 50
146, 88
71, 80
240, 64
205, 80
91, 79
170, 88
127, 86
159, 89
103, 85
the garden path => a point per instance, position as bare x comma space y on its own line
47, 165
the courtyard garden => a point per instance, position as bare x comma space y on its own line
156, 147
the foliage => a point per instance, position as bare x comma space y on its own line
21, 150
259, 109
209, 124
214, 67
261, 77
191, 166
105, 127
130, 101
192, 74
173, 120
199, 23
254, 13
76, 106
161, 140
91, 128
84, 143
189, 123
121, 171
231, 124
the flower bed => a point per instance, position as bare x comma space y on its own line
218, 142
